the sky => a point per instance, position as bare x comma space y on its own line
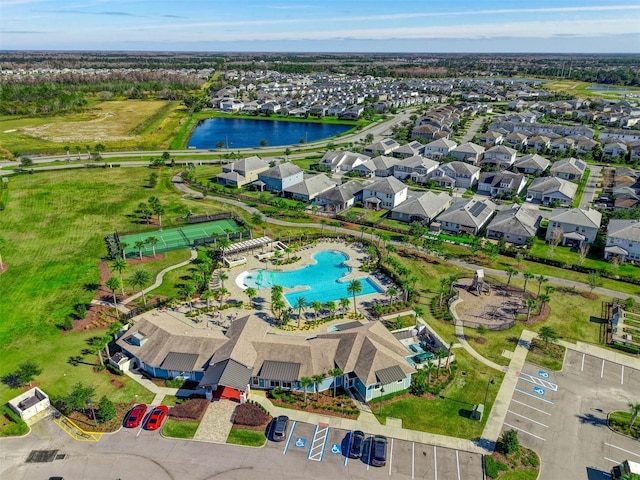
421, 26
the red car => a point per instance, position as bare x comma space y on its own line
156, 418
135, 416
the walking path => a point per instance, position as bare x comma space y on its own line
159, 392
216, 423
160, 276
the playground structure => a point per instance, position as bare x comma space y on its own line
495, 307
479, 285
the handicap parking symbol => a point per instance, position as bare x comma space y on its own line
335, 448
538, 390
300, 442
543, 374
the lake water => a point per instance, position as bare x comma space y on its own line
247, 133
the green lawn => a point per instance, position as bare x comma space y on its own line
250, 438
450, 415
176, 429
520, 475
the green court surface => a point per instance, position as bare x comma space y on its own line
177, 238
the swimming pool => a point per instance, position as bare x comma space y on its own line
321, 281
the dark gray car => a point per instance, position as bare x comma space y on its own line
280, 428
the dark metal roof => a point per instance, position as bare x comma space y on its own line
390, 374
227, 373
284, 371
180, 362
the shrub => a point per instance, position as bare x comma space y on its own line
192, 409
114, 370
493, 468
175, 382
250, 415
106, 410
509, 442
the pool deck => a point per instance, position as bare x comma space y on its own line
356, 254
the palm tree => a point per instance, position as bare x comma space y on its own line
634, 408
391, 293
207, 295
449, 356
344, 304
354, 288
334, 372
440, 354
531, 304
541, 279
120, 265
444, 282
251, 293
323, 222
223, 243
543, 299
153, 241
222, 292
527, 276
187, 291
139, 245
123, 247
304, 384
330, 306
429, 367
113, 284
301, 304
452, 280
317, 306
419, 311
223, 276
317, 380
511, 272
139, 279
362, 230
66, 149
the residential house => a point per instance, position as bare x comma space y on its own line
417, 168
380, 166
568, 169
516, 225
614, 149
338, 161
619, 134
532, 164
491, 138
584, 145
552, 190
439, 148
310, 187
352, 113
501, 183
383, 147
562, 145
387, 193
280, 177
427, 132
341, 197
539, 143
623, 240
468, 152
409, 150
499, 156
467, 216
573, 226
456, 175
421, 207
242, 172
517, 140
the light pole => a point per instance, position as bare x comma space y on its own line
93, 413
342, 407
381, 393
486, 393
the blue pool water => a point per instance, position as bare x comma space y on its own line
247, 133
322, 279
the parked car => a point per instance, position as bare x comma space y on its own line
355, 444
280, 428
135, 416
379, 451
158, 414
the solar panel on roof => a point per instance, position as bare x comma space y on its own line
580, 164
477, 209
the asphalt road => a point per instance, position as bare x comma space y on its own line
563, 416
137, 455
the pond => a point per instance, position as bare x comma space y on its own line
247, 133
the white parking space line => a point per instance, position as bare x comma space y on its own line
435, 463
527, 377
529, 406
582, 366
529, 419
413, 460
524, 431
602, 369
286, 447
617, 462
458, 464
620, 448
622, 376
319, 442
532, 395
390, 457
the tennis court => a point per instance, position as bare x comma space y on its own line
178, 238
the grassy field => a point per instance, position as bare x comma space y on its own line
580, 89
54, 226
250, 438
449, 414
175, 429
119, 125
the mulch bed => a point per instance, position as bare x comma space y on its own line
551, 350
480, 340
326, 404
533, 319
85, 422
589, 295
4, 268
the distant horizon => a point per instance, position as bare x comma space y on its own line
333, 26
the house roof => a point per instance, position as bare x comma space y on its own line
624, 229
442, 143
283, 170
312, 186
231, 176
383, 162
498, 179
418, 161
227, 373
469, 148
577, 216
549, 185
387, 185
248, 164
533, 161
468, 212
460, 168
342, 193
569, 165
181, 362
285, 371
516, 221
427, 204
500, 150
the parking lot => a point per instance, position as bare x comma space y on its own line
563, 415
323, 447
